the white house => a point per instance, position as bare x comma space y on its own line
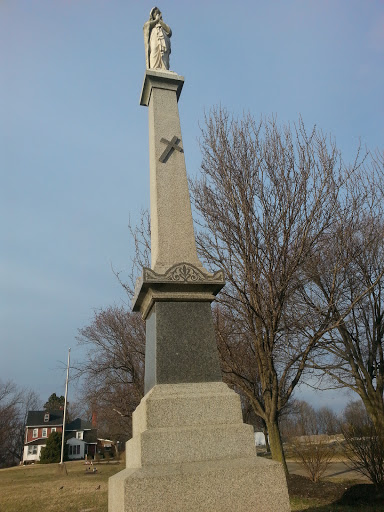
81, 439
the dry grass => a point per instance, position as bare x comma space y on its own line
42, 488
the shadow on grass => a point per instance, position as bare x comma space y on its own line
330, 496
357, 498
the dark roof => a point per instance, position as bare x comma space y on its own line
90, 436
78, 424
36, 418
42, 440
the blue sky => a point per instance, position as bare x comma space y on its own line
74, 140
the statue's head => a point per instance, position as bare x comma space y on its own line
154, 11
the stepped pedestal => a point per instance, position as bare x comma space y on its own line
191, 452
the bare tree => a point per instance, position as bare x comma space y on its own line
112, 376
302, 419
355, 414
9, 399
266, 199
364, 443
304, 428
314, 454
141, 237
347, 280
306, 419
328, 422
14, 406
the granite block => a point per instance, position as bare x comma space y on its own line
180, 344
250, 484
182, 405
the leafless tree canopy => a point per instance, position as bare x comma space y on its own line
113, 373
346, 282
266, 200
304, 420
141, 238
364, 443
14, 406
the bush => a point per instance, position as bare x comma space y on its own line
365, 450
315, 454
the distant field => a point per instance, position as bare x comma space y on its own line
41, 488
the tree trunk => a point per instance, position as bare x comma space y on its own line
377, 418
375, 408
267, 445
276, 444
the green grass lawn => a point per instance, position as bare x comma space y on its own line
43, 488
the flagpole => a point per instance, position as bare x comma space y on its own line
65, 409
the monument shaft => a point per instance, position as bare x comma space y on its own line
172, 235
174, 296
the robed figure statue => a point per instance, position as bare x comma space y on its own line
157, 42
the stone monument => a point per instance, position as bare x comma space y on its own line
190, 449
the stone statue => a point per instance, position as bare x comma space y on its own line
157, 41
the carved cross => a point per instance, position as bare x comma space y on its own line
171, 145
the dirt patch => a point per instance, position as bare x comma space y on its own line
303, 487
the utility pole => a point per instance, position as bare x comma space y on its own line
65, 409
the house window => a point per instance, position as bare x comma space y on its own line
46, 417
53, 429
74, 450
79, 435
45, 432
35, 432
32, 450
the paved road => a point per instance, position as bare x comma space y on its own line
337, 470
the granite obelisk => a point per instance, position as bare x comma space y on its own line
190, 450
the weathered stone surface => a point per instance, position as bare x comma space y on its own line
185, 405
181, 282
162, 80
177, 423
191, 444
172, 235
237, 485
180, 344
187, 457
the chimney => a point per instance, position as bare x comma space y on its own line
94, 419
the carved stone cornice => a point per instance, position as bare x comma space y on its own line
181, 282
183, 273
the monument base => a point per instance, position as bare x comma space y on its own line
241, 485
190, 451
